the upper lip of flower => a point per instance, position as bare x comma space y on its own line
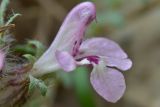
70, 35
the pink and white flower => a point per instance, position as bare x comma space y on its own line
68, 51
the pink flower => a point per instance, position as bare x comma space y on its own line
1, 59
68, 51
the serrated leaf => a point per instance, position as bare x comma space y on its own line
42, 88
36, 83
30, 58
32, 84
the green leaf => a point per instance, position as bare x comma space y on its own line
11, 19
30, 58
39, 84
43, 88
32, 84
39, 47
3, 8
24, 49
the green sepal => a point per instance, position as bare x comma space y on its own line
39, 47
30, 58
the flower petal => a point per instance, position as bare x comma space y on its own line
69, 36
1, 59
122, 64
108, 83
101, 47
74, 26
65, 60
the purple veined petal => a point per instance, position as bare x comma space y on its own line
108, 83
70, 35
73, 28
101, 47
65, 60
122, 64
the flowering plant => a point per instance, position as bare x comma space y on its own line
68, 51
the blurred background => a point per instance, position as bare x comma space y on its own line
134, 24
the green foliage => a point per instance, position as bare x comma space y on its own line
39, 47
32, 47
24, 49
3, 8
66, 78
82, 87
11, 19
39, 84
30, 58
1, 41
79, 80
43, 88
